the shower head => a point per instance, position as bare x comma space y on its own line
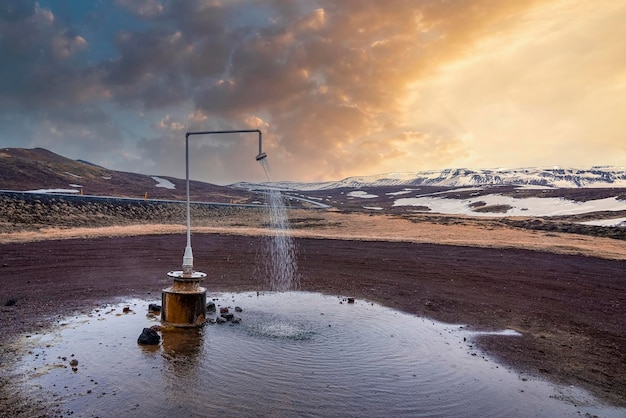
261, 156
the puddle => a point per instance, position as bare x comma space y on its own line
293, 353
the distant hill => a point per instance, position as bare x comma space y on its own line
24, 169
586, 201
594, 177
42, 170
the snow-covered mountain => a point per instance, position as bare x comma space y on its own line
594, 177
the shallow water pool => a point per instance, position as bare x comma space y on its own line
293, 354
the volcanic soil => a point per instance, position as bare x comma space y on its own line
566, 294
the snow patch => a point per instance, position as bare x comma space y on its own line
532, 206
53, 191
372, 207
166, 184
401, 192
73, 175
447, 192
534, 187
616, 222
361, 194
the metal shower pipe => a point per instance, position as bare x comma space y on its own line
188, 256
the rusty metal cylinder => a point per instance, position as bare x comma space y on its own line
184, 303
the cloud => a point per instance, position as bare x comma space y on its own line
65, 45
170, 125
143, 8
41, 70
546, 90
338, 88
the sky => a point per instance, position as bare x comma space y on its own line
338, 88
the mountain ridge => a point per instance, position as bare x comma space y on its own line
555, 177
38, 169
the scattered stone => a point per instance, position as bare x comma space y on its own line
126, 309
238, 309
221, 320
227, 316
223, 310
10, 302
211, 320
73, 362
149, 337
350, 300
210, 307
235, 320
153, 307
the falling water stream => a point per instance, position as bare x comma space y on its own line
279, 263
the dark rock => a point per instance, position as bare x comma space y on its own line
220, 320
350, 300
10, 302
126, 309
149, 337
227, 316
223, 310
210, 307
73, 362
238, 309
153, 307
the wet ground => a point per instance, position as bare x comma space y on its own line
569, 309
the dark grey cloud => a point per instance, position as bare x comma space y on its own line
39, 62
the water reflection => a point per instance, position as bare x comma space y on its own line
185, 342
294, 353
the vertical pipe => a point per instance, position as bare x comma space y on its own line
188, 256
187, 185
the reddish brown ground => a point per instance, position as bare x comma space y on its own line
570, 309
